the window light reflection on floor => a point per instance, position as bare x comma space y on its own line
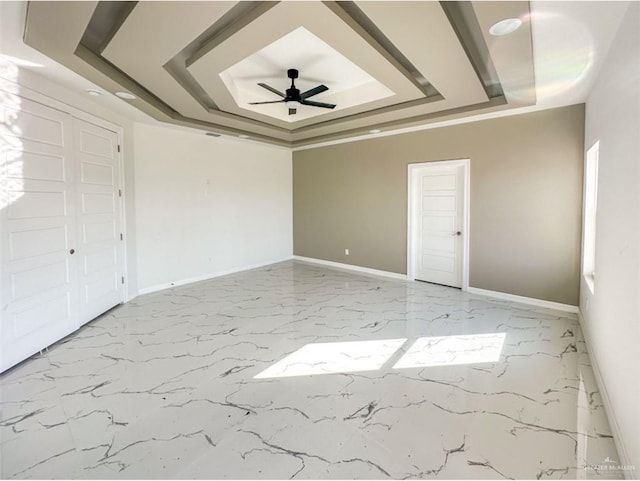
355, 356
452, 350
334, 357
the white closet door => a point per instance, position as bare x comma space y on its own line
39, 270
99, 241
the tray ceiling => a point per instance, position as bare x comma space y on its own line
388, 64
349, 85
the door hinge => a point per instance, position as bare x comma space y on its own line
118, 147
123, 279
121, 237
119, 192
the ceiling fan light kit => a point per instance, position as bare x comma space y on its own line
293, 98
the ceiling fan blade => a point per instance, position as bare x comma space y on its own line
270, 102
317, 104
314, 91
271, 89
292, 111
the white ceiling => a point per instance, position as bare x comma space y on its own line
317, 62
570, 40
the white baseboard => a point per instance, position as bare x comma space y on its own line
182, 282
349, 267
130, 296
524, 300
624, 460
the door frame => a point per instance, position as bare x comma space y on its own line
412, 210
13, 88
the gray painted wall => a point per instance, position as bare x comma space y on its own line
526, 200
611, 315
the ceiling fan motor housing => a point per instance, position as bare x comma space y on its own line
293, 95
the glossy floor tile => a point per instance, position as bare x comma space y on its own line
298, 371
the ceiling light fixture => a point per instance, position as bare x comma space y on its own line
93, 92
125, 95
375, 131
505, 27
243, 136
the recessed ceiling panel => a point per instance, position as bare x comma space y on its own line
273, 25
133, 37
317, 63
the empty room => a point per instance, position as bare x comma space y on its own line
320, 240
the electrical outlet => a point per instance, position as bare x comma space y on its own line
346, 252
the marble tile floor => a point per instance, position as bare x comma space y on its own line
299, 371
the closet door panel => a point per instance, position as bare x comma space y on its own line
99, 211
39, 269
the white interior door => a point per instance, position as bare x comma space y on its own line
440, 214
39, 271
98, 219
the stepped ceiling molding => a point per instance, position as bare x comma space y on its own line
388, 64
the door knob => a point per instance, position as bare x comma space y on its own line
72, 251
458, 233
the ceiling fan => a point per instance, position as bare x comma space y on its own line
293, 97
